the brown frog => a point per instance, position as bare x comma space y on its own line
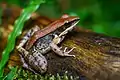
37, 42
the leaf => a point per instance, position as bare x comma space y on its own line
11, 74
18, 26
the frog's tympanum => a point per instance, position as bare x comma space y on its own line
37, 42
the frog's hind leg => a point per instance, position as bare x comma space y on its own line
28, 35
25, 39
35, 62
24, 54
25, 65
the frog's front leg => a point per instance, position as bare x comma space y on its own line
57, 49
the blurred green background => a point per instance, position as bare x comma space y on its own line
101, 16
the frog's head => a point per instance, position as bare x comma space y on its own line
67, 23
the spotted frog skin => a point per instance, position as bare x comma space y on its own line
37, 42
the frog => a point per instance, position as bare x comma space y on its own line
37, 42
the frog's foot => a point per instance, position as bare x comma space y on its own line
66, 53
60, 52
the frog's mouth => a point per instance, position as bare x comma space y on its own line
68, 26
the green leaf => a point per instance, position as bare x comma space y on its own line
11, 74
18, 26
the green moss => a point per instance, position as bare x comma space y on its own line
89, 57
22, 74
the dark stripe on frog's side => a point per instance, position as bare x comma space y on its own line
42, 45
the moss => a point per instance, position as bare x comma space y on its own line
23, 74
89, 57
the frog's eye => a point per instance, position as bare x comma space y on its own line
65, 16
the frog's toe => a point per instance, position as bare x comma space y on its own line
66, 53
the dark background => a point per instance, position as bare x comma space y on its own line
102, 16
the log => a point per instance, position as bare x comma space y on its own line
97, 55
